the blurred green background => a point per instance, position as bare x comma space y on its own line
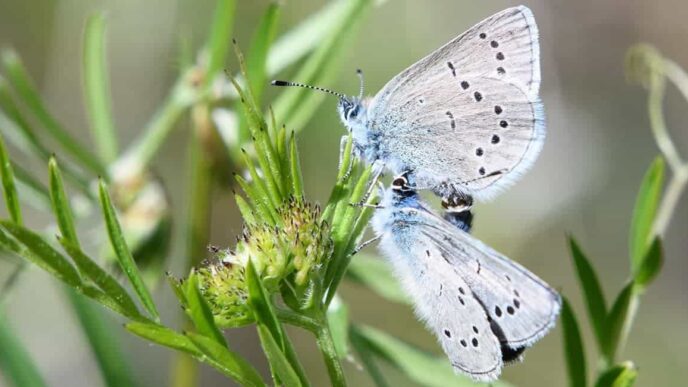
585, 181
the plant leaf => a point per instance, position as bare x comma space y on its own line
365, 354
103, 341
644, 212
261, 305
219, 37
35, 249
622, 375
594, 298
16, 363
22, 84
295, 168
616, 320
573, 347
97, 88
124, 257
651, 264
278, 361
107, 283
338, 321
60, 205
163, 336
375, 273
199, 312
9, 190
226, 361
419, 366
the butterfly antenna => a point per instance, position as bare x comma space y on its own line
360, 78
324, 90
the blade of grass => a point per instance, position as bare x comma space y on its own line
104, 344
200, 313
226, 361
651, 265
594, 298
278, 362
22, 84
622, 375
616, 322
573, 347
8, 188
218, 40
97, 88
15, 361
124, 257
256, 59
34, 248
644, 212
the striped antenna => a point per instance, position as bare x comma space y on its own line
324, 90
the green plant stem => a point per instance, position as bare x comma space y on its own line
326, 345
297, 320
155, 133
185, 371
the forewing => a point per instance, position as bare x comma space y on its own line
468, 114
444, 302
523, 307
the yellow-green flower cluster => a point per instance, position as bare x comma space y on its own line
293, 250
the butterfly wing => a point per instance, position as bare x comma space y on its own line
444, 302
522, 306
467, 117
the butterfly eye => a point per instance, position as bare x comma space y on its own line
353, 112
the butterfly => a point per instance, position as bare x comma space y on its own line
465, 121
484, 308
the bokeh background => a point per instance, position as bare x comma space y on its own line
585, 181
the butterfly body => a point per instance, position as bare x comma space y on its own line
484, 309
464, 121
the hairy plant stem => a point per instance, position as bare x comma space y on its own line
326, 346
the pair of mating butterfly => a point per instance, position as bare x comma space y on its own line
465, 121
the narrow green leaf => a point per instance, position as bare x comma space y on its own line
365, 354
219, 37
97, 88
338, 321
259, 201
107, 283
278, 362
295, 168
103, 341
35, 249
22, 84
178, 289
260, 302
376, 274
622, 375
418, 365
644, 212
200, 313
258, 182
8, 188
226, 361
594, 297
245, 209
163, 336
124, 257
616, 320
573, 347
16, 363
257, 56
651, 264
60, 204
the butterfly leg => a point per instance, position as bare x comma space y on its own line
377, 169
364, 244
